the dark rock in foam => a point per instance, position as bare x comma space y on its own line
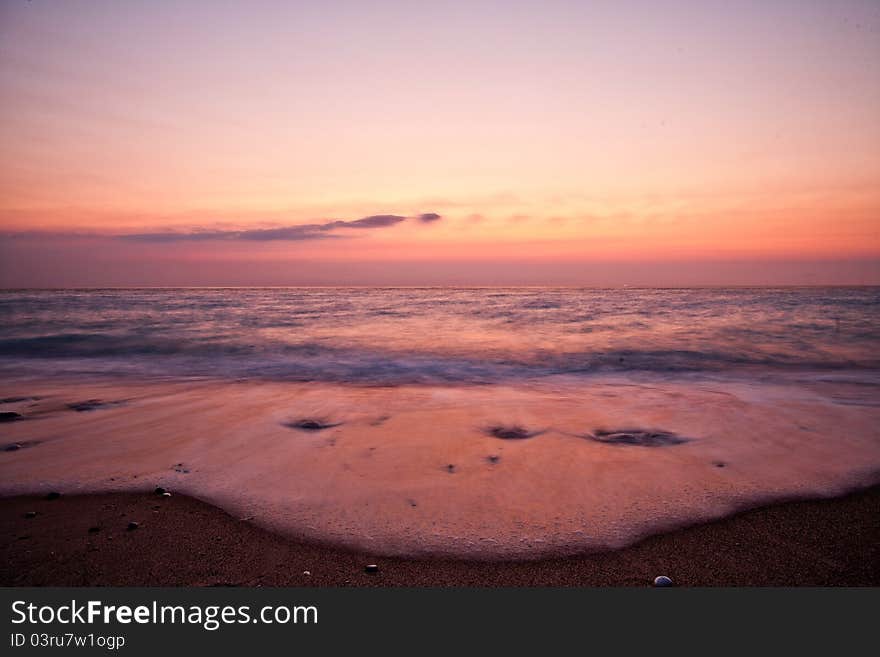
309, 424
513, 432
638, 437
14, 447
92, 405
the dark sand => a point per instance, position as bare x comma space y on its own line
180, 541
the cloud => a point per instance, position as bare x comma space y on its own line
288, 233
375, 221
429, 217
335, 229
285, 233
192, 236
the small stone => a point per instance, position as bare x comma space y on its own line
9, 416
94, 530
309, 424
30, 514
166, 494
92, 405
159, 490
371, 568
662, 580
14, 447
450, 468
307, 573
637, 437
54, 495
133, 525
511, 433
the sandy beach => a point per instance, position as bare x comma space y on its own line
181, 541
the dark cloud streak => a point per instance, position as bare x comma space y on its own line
375, 221
336, 229
285, 233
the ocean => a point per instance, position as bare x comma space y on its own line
440, 335
482, 423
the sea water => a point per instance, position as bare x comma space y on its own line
480, 422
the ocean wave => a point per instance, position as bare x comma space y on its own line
431, 335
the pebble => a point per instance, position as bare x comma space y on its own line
94, 530
132, 525
166, 494
9, 416
159, 490
510, 433
307, 572
641, 437
312, 425
14, 447
662, 580
371, 568
30, 514
54, 495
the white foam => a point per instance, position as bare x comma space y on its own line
383, 485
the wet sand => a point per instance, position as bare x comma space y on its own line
84, 540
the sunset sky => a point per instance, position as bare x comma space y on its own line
272, 142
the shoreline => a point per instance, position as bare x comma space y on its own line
441, 473
84, 540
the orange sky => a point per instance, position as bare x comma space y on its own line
546, 135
